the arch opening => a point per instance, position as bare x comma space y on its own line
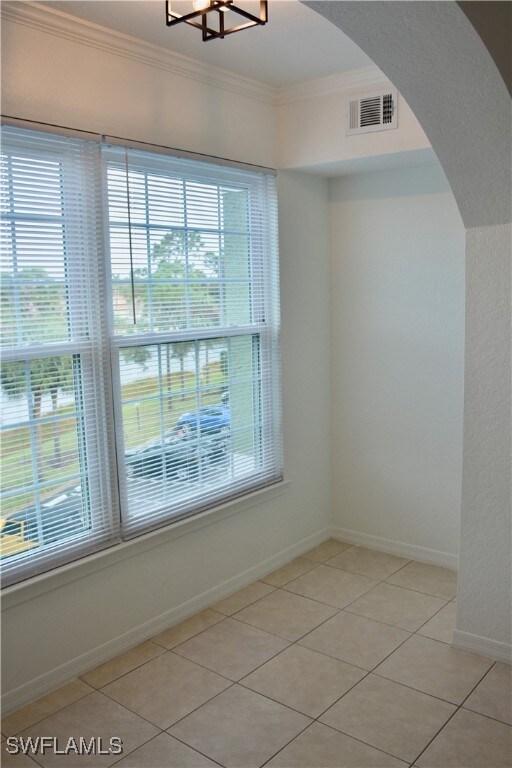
435, 57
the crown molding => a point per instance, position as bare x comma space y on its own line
363, 78
54, 22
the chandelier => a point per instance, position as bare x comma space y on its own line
216, 18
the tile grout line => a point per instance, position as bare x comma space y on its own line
89, 693
481, 714
338, 610
208, 757
416, 631
164, 651
152, 640
200, 632
281, 637
476, 686
252, 602
171, 650
164, 648
136, 748
172, 737
384, 580
115, 702
378, 749
278, 586
317, 719
225, 616
287, 744
165, 730
378, 583
209, 669
459, 706
332, 728
411, 688
137, 666
283, 650
313, 720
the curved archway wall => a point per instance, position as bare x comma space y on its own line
434, 56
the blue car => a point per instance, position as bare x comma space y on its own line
180, 454
212, 419
184, 448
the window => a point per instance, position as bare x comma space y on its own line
55, 485
140, 377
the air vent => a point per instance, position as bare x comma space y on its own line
377, 112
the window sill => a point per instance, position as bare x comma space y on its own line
47, 582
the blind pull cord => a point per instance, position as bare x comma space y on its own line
132, 279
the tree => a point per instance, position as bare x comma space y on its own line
178, 297
224, 363
209, 344
34, 304
181, 352
46, 375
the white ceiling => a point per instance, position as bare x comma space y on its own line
297, 44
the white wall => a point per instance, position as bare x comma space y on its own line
443, 68
49, 636
397, 326
486, 489
111, 87
311, 129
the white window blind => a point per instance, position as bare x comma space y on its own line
194, 286
56, 484
140, 322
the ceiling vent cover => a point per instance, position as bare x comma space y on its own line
377, 112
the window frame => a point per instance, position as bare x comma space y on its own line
86, 349
264, 311
109, 345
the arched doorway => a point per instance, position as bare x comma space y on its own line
436, 59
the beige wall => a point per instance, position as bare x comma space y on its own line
397, 320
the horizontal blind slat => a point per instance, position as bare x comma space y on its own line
193, 254
56, 485
196, 371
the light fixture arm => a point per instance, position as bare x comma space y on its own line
215, 9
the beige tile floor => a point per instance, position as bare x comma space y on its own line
340, 659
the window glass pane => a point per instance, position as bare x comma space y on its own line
154, 198
35, 185
34, 296
203, 205
176, 272
44, 485
191, 419
57, 480
165, 200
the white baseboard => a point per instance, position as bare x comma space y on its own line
399, 548
492, 649
49, 681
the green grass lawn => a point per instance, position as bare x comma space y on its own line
144, 415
